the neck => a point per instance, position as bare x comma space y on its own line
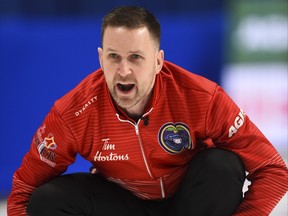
138, 109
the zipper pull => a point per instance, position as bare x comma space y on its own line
137, 129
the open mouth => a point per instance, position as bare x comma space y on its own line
125, 88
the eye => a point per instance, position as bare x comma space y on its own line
135, 57
113, 56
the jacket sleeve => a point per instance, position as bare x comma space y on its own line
53, 148
230, 128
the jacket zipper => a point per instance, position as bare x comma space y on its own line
136, 126
162, 187
140, 142
142, 150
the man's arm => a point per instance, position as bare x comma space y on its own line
230, 128
53, 148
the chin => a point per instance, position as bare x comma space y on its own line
125, 105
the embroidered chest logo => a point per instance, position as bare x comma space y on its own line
174, 137
45, 146
108, 153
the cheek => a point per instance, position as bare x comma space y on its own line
145, 79
109, 76
108, 69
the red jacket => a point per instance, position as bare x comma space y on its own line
151, 155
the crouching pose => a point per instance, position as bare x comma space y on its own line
163, 141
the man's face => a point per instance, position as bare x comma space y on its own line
130, 60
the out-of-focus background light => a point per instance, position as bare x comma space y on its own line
48, 46
255, 71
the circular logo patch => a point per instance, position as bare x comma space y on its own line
174, 137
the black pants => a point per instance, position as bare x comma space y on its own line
212, 186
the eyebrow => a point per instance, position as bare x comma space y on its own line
132, 52
110, 49
136, 51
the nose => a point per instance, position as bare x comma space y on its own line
124, 68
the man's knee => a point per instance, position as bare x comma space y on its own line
82, 194
218, 163
212, 186
59, 193
44, 197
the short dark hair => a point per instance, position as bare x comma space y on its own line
132, 17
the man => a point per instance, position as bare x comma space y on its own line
164, 141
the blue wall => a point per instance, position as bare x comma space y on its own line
43, 57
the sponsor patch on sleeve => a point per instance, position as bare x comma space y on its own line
46, 145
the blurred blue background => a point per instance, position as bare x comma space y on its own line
49, 46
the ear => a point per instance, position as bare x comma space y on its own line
100, 56
160, 61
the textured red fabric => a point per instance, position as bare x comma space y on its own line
135, 155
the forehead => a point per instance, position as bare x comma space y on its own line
124, 37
